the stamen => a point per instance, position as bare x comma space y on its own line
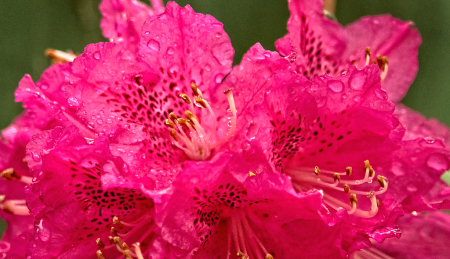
60, 57
197, 144
367, 56
16, 207
137, 250
100, 255
304, 180
169, 123
348, 170
10, 174
383, 64
100, 243
316, 170
185, 98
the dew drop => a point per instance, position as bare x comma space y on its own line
97, 55
438, 162
153, 45
100, 122
381, 94
73, 101
246, 145
44, 87
36, 157
229, 124
411, 188
207, 67
321, 101
170, 51
219, 78
218, 35
398, 169
335, 86
252, 130
109, 121
357, 80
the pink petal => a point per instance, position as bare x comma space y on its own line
317, 43
387, 36
123, 19
187, 47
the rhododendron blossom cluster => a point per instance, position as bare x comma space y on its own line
153, 145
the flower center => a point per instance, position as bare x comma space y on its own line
245, 241
304, 180
138, 232
188, 133
17, 207
382, 62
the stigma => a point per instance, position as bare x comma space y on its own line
189, 132
305, 179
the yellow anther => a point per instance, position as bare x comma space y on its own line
378, 203
195, 90
111, 240
100, 255
125, 246
200, 102
182, 121
367, 52
241, 255
381, 181
100, 243
337, 177
346, 188
185, 98
116, 220
174, 135
173, 117
353, 199
113, 231
316, 170
117, 241
366, 164
10, 174
348, 170
371, 171
382, 62
268, 256
252, 174
169, 123
60, 57
189, 115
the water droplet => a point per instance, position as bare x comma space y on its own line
218, 35
219, 78
36, 157
381, 94
438, 162
97, 55
246, 145
357, 80
44, 87
335, 86
411, 188
321, 101
398, 168
153, 45
207, 67
357, 182
109, 121
229, 124
357, 98
252, 130
100, 122
73, 101
170, 51
147, 33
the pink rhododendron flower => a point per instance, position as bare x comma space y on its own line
152, 146
235, 207
317, 45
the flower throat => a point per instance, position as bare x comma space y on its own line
189, 135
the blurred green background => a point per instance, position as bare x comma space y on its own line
27, 28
